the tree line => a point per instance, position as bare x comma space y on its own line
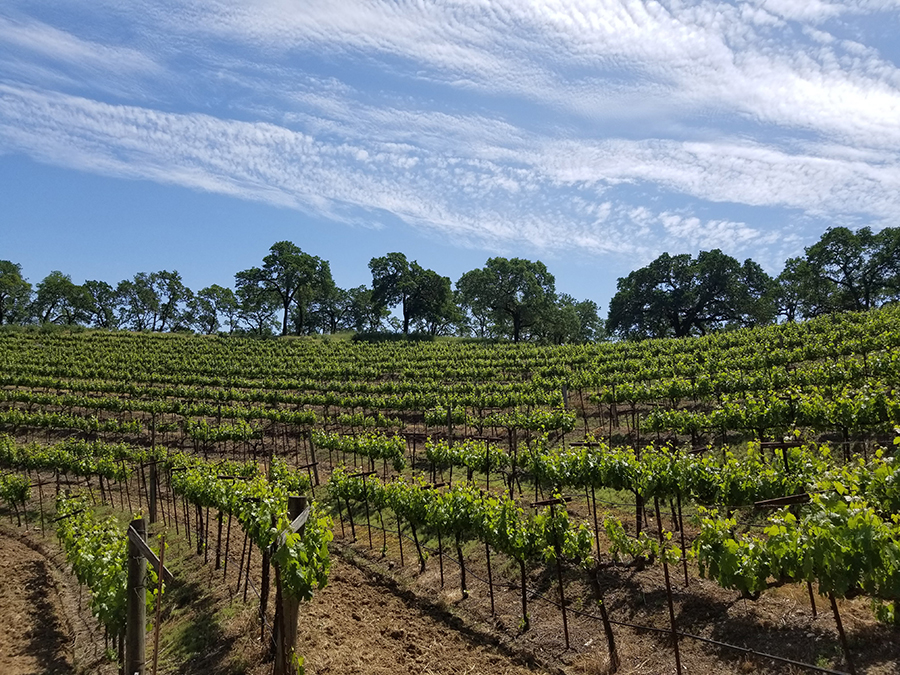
678, 296
293, 293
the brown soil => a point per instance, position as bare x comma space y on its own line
779, 623
363, 622
44, 630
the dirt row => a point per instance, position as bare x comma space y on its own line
46, 623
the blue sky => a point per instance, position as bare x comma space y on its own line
193, 134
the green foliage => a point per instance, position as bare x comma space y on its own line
374, 446
97, 551
513, 294
680, 296
260, 505
15, 489
838, 541
474, 455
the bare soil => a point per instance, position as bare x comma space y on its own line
365, 623
43, 628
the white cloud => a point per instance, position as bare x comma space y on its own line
493, 123
741, 173
46, 41
593, 59
544, 195
681, 58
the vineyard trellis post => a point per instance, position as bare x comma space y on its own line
152, 498
139, 553
662, 546
136, 606
287, 607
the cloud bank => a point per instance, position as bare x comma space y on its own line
617, 128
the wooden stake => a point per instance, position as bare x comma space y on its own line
136, 604
487, 552
842, 634
152, 496
227, 543
681, 529
159, 591
290, 606
557, 545
668, 589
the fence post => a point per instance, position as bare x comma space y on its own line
286, 625
136, 604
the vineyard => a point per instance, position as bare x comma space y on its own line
728, 502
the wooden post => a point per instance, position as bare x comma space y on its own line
562, 596
662, 545
159, 592
136, 604
681, 531
487, 551
842, 634
152, 498
41, 501
286, 625
219, 540
315, 463
368, 520
264, 590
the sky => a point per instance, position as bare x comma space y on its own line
594, 136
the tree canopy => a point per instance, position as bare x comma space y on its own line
425, 297
508, 298
15, 293
287, 272
517, 292
680, 295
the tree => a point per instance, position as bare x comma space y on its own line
59, 300
680, 296
101, 301
590, 325
258, 306
173, 296
800, 292
517, 292
476, 317
431, 302
153, 301
310, 298
424, 296
15, 293
392, 284
330, 309
286, 272
570, 321
559, 325
860, 269
138, 302
362, 312
212, 303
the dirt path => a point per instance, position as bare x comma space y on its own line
362, 623
35, 637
